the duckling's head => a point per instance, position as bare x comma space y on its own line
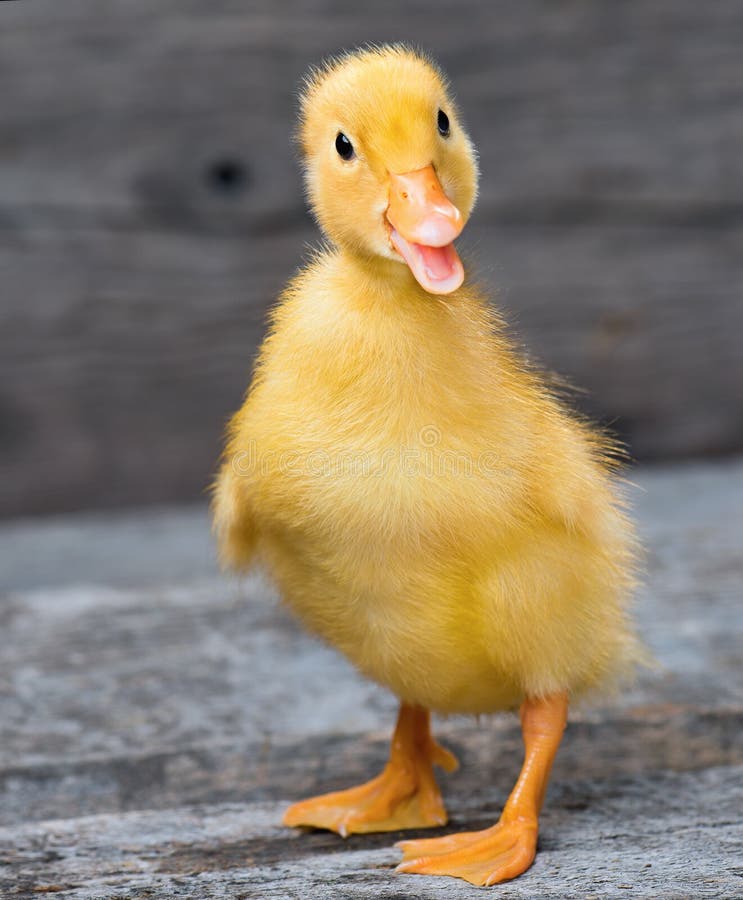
390, 171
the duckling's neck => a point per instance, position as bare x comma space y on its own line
380, 277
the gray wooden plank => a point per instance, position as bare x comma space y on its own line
173, 545
160, 546
282, 765
638, 104
671, 835
135, 285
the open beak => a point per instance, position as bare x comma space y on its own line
424, 225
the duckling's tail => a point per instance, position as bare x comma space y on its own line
232, 521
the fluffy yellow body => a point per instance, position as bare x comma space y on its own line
420, 497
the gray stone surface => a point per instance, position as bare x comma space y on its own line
159, 546
666, 835
155, 718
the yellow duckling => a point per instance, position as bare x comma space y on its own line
422, 500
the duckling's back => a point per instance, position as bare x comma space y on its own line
422, 500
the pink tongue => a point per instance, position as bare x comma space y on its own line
438, 260
438, 270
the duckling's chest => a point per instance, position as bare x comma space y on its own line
372, 429
369, 450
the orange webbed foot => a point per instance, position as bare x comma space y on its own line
480, 857
404, 795
508, 848
390, 802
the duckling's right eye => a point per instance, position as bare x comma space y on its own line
344, 146
443, 123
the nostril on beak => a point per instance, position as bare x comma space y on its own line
420, 211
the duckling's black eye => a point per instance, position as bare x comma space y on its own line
443, 123
343, 146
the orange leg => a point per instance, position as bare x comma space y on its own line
508, 848
405, 795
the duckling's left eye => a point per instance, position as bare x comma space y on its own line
443, 123
343, 146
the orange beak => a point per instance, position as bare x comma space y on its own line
424, 225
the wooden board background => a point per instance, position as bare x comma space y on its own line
150, 210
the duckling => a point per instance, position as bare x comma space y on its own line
422, 499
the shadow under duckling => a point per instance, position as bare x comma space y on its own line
423, 501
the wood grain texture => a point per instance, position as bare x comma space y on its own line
150, 210
151, 733
643, 842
